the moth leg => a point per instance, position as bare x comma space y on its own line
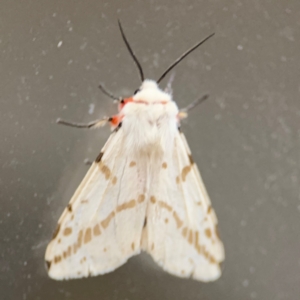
93, 124
183, 113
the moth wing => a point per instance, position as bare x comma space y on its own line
181, 233
101, 226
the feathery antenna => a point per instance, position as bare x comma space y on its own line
179, 59
131, 52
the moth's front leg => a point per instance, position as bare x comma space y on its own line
183, 113
92, 124
114, 122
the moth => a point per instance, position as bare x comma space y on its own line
143, 192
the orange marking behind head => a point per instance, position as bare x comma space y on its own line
124, 102
115, 120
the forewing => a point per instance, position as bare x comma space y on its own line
181, 233
101, 226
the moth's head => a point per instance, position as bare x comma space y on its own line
149, 91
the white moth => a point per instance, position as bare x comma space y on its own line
143, 192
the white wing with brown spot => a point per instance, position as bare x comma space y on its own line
181, 233
102, 225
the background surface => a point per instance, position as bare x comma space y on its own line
245, 139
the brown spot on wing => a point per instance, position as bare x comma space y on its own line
164, 165
184, 231
132, 246
106, 171
126, 205
107, 220
69, 207
208, 232
166, 220
96, 230
114, 181
152, 199
177, 179
191, 159
67, 231
57, 259
165, 205
177, 219
88, 235
152, 246
99, 157
84, 201
132, 164
56, 231
212, 259
209, 209
193, 238
184, 172
141, 198
145, 222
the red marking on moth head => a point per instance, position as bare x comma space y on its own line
124, 102
115, 120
